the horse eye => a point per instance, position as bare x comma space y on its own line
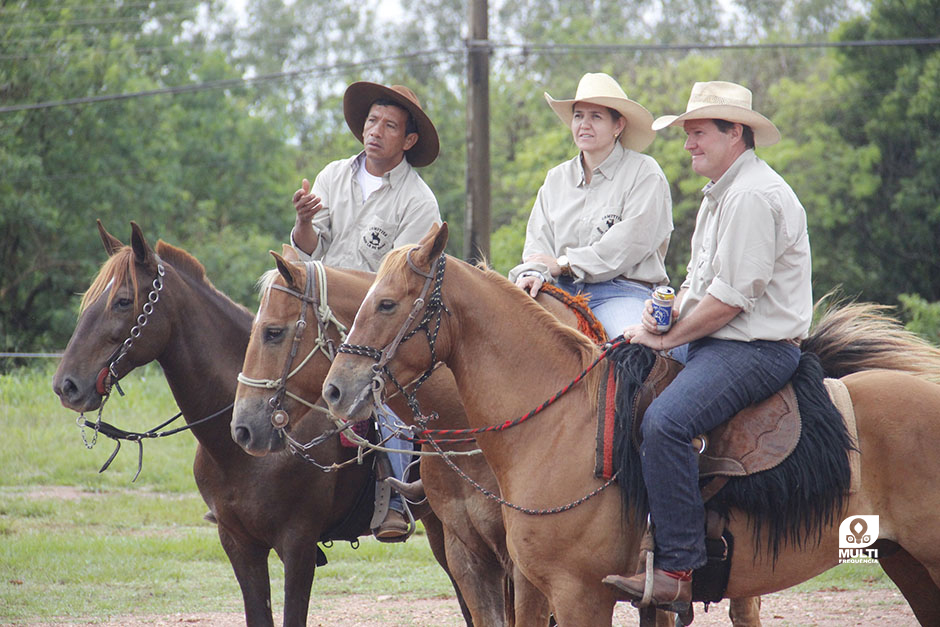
387, 306
121, 304
273, 334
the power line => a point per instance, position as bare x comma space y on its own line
547, 48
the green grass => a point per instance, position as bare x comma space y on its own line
78, 544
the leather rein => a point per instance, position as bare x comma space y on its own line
108, 378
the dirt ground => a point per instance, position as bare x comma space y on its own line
828, 608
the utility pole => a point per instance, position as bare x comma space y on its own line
477, 227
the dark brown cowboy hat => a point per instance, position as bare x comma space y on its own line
358, 100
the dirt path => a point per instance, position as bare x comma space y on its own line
828, 608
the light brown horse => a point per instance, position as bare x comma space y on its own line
505, 365
198, 336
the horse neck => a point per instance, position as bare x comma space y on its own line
507, 359
205, 350
346, 290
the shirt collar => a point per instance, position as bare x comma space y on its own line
713, 190
608, 166
394, 176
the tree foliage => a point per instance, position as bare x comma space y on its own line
212, 169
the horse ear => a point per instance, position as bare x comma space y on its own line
289, 252
142, 251
431, 245
291, 273
111, 243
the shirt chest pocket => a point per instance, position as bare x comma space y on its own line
599, 222
376, 237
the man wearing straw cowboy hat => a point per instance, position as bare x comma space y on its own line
745, 304
362, 207
601, 221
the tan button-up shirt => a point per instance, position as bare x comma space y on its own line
618, 225
353, 234
750, 249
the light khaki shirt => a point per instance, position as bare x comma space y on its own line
750, 249
618, 225
353, 234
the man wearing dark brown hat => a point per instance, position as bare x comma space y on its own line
361, 207
364, 206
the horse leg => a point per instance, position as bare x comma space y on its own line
250, 563
481, 578
300, 565
915, 583
528, 600
438, 540
744, 612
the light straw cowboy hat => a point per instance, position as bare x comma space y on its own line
358, 99
719, 100
601, 89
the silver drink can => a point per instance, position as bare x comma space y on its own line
663, 299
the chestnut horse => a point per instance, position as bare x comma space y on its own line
199, 336
508, 356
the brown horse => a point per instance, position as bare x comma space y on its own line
505, 368
474, 535
199, 336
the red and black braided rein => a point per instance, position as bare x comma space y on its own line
445, 434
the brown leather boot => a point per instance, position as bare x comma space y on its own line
393, 528
671, 591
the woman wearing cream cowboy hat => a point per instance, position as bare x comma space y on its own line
601, 222
746, 303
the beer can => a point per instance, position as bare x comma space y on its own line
663, 299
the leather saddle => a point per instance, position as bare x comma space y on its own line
757, 438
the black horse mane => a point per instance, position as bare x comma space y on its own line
796, 500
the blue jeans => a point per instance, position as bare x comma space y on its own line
398, 461
617, 303
721, 377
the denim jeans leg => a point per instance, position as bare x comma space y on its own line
617, 303
398, 461
721, 378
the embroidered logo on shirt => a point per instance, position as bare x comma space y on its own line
375, 238
606, 222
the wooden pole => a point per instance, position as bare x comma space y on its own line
477, 227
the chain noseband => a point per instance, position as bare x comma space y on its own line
434, 310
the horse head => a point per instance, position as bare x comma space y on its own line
109, 339
304, 311
404, 300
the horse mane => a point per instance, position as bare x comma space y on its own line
121, 267
396, 264
851, 337
265, 281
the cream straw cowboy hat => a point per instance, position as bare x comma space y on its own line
718, 100
601, 89
358, 99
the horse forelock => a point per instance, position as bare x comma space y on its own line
117, 270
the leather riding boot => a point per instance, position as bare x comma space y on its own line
669, 591
393, 528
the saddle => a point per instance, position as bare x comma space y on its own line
757, 438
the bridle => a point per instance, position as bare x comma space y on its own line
109, 377
434, 309
317, 298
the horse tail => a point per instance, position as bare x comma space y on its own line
851, 337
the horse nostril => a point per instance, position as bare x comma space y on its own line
242, 436
67, 389
332, 394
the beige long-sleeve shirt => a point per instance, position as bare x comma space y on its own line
356, 234
750, 249
618, 225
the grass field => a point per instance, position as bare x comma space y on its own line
78, 544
